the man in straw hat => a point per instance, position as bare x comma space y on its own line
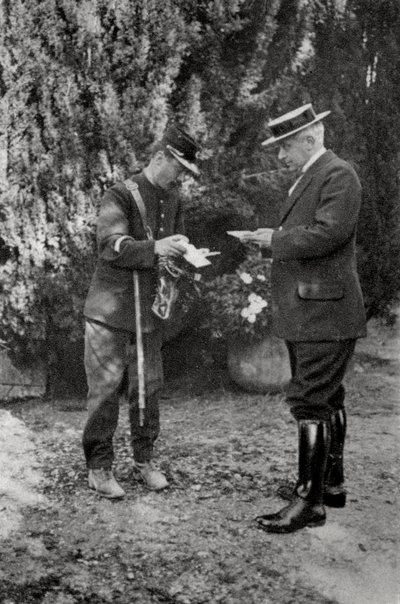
317, 307
139, 221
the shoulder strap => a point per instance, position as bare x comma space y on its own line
133, 189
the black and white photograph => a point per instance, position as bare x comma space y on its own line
199, 301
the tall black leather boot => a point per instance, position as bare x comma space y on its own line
307, 508
334, 492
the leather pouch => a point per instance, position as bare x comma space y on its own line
168, 275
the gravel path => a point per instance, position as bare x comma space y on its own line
225, 452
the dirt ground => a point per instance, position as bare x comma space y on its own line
225, 452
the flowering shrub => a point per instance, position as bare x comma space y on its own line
239, 304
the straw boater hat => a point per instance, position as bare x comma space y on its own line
293, 122
183, 147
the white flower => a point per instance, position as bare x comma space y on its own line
246, 278
261, 277
253, 297
256, 304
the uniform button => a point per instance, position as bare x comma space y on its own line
162, 215
161, 230
280, 229
161, 201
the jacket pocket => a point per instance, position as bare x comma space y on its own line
320, 290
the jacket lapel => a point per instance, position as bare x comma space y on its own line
303, 184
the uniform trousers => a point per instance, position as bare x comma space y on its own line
315, 390
111, 373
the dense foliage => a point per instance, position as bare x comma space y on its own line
85, 88
353, 71
238, 305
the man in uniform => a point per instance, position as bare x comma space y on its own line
125, 246
317, 307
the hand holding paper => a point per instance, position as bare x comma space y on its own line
261, 237
197, 256
240, 234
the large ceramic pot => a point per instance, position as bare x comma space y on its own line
261, 366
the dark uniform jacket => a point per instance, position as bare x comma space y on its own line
110, 299
316, 293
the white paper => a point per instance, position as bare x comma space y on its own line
197, 257
239, 234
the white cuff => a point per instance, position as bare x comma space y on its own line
117, 244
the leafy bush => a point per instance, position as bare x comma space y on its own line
85, 88
238, 305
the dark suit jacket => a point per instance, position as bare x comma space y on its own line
316, 293
110, 299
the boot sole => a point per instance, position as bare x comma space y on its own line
287, 530
316, 523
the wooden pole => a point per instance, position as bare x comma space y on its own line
139, 349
